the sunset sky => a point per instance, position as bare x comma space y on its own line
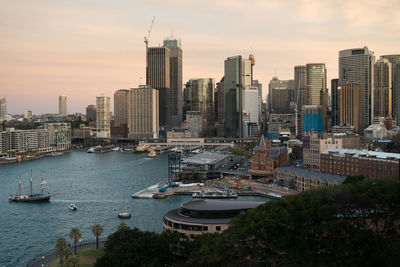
88, 47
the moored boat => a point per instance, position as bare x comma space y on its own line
152, 154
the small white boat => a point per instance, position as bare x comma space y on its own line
124, 215
72, 206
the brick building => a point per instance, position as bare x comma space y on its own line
350, 162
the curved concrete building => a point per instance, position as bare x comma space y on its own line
205, 216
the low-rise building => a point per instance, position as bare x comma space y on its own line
352, 162
204, 216
304, 179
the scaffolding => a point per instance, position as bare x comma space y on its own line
174, 166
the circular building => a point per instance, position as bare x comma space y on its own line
205, 216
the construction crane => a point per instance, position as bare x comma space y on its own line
146, 41
146, 38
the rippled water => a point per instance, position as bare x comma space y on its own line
101, 186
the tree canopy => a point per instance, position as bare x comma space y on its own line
354, 224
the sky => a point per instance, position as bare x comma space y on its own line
90, 47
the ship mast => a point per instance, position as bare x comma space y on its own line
31, 182
41, 184
19, 185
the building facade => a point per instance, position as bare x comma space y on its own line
202, 97
121, 107
335, 102
312, 119
3, 107
103, 120
316, 82
314, 145
357, 66
352, 162
204, 216
251, 111
159, 77
266, 158
13, 141
175, 62
304, 179
350, 105
62, 105
237, 76
280, 98
383, 88
144, 113
300, 86
91, 113
395, 61
59, 135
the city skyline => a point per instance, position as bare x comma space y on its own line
68, 48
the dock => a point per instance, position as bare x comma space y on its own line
190, 189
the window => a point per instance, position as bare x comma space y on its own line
218, 228
205, 228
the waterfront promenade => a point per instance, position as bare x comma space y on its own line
50, 256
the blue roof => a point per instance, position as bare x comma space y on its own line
357, 153
314, 174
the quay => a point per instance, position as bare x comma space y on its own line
266, 191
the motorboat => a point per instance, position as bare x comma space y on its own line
72, 206
124, 215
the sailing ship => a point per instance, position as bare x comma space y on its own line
37, 197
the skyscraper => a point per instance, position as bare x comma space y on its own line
91, 113
316, 82
121, 107
202, 98
335, 90
103, 116
3, 107
175, 62
350, 105
280, 100
275, 83
158, 77
300, 86
62, 105
383, 88
237, 76
395, 61
356, 65
144, 113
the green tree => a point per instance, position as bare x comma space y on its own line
61, 248
353, 179
75, 235
97, 230
73, 261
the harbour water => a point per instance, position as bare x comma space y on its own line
99, 184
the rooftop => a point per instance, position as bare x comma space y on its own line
206, 158
220, 205
314, 174
357, 153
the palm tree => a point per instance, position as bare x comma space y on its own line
61, 248
73, 261
97, 230
75, 235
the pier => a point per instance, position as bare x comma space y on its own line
153, 191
